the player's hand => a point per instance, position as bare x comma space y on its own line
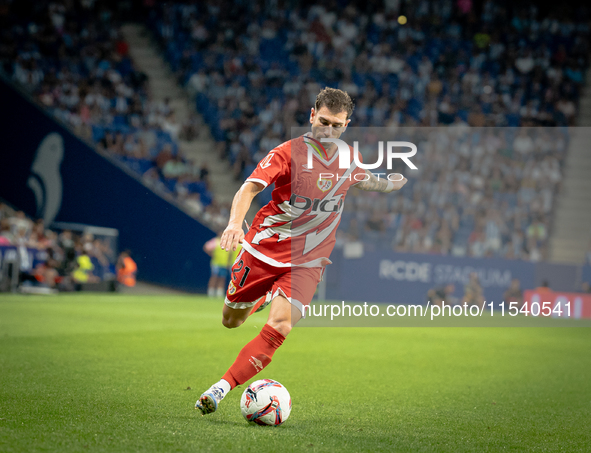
397, 183
231, 237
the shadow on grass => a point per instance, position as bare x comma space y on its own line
243, 424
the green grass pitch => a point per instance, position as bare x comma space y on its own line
122, 373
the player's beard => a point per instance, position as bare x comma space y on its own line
320, 132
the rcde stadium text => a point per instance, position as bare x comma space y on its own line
412, 271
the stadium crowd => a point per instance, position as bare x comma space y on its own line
256, 68
55, 259
72, 57
477, 192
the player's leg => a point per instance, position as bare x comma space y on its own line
251, 279
209, 400
285, 312
262, 303
234, 317
292, 291
253, 357
283, 315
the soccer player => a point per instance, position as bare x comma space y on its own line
287, 247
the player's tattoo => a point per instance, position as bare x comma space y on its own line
373, 184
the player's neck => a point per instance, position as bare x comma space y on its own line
331, 149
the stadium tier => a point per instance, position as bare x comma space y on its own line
76, 63
478, 192
256, 71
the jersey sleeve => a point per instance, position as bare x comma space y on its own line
274, 165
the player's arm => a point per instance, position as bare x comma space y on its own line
234, 234
374, 184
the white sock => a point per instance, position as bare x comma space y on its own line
220, 292
210, 292
224, 385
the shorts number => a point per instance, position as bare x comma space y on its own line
237, 270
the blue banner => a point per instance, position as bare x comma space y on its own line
8, 253
28, 258
384, 276
50, 173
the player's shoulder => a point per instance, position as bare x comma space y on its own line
290, 146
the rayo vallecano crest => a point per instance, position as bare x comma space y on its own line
324, 184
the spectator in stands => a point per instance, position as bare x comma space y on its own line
477, 242
174, 168
6, 236
534, 252
537, 232
83, 272
194, 205
494, 229
375, 223
514, 293
585, 287
19, 222
151, 178
442, 295
126, 269
544, 287
190, 129
204, 173
171, 126
217, 215
46, 273
473, 294
66, 242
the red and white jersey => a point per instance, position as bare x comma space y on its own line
298, 226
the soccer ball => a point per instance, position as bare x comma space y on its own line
265, 402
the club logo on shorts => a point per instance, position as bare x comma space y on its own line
231, 288
324, 184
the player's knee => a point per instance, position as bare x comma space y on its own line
232, 323
282, 326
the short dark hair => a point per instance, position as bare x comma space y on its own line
336, 100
